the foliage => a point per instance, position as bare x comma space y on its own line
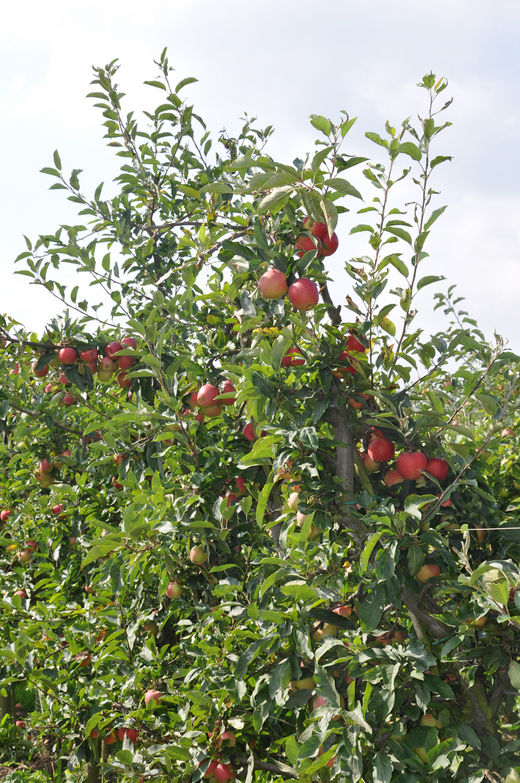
173, 258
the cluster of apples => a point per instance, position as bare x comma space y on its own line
303, 293
105, 367
210, 399
320, 239
410, 465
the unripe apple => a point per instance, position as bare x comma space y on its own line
173, 590
438, 468
152, 697
206, 395
197, 555
293, 358
410, 464
303, 294
88, 355
368, 462
430, 720
380, 450
326, 629
304, 244
306, 683
292, 501
393, 477
67, 355
24, 555
212, 410
427, 571
272, 284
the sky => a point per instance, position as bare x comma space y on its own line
280, 61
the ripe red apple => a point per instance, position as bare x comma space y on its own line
132, 734
354, 345
152, 697
272, 284
88, 355
249, 431
129, 342
64, 380
206, 395
5, 514
303, 294
226, 388
229, 737
68, 399
58, 508
83, 658
427, 571
343, 611
223, 772
110, 738
20, 593
20, 724
304, 244
67, 355
125, 362
123, 380
507, 432
113, 348
173, 590
42, 372
410, 464
293, 358
45, 466
119, 459
393, 477
380, 450
438, 468
329, 244
197, 555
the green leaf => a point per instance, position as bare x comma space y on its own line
514, 674
433, 217
399, 232
343, 186
396, 261
321, 123
184, 82
376, 138
411, 149
428, 280
367, 550
57, 160
217, 187
382, 768
276, 198
261, 502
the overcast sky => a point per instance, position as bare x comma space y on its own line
278, 60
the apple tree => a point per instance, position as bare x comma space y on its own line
252, 525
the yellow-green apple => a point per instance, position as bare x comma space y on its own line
368, 462
197, 555
306, 683
430, 720
427, 571
325, 629
173, 590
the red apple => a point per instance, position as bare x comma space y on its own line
303, 294
113, 348
393, 477
110, 738
68, 399
329, 244
83, 658
249, 431
58, 508
410, 464
42, 372
206, 395
20, 593
226, 388
438, 468
67, 355
197, 555
5, 514
152, 697
123, 380
129, 342
343, 611
380, 450
45, 466
304, 244
125, 362
119, 459
20, 724
88, 355
427, 571
508, 432
272, 284
229, 737
293, 358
